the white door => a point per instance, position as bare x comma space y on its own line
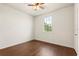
76, 27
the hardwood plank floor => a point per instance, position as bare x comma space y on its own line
37, 48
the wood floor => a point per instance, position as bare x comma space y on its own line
37, 48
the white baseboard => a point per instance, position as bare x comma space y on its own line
54, 43
14, 44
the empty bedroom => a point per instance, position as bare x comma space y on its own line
38, 29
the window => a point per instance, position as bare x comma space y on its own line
48, 23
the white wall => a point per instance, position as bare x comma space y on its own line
15, 26
63, 27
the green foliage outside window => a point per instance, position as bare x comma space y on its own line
47, 27
48, 24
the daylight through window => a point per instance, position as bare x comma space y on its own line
48, 23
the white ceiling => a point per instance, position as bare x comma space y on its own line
48, 7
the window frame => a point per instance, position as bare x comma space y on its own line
49, 25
